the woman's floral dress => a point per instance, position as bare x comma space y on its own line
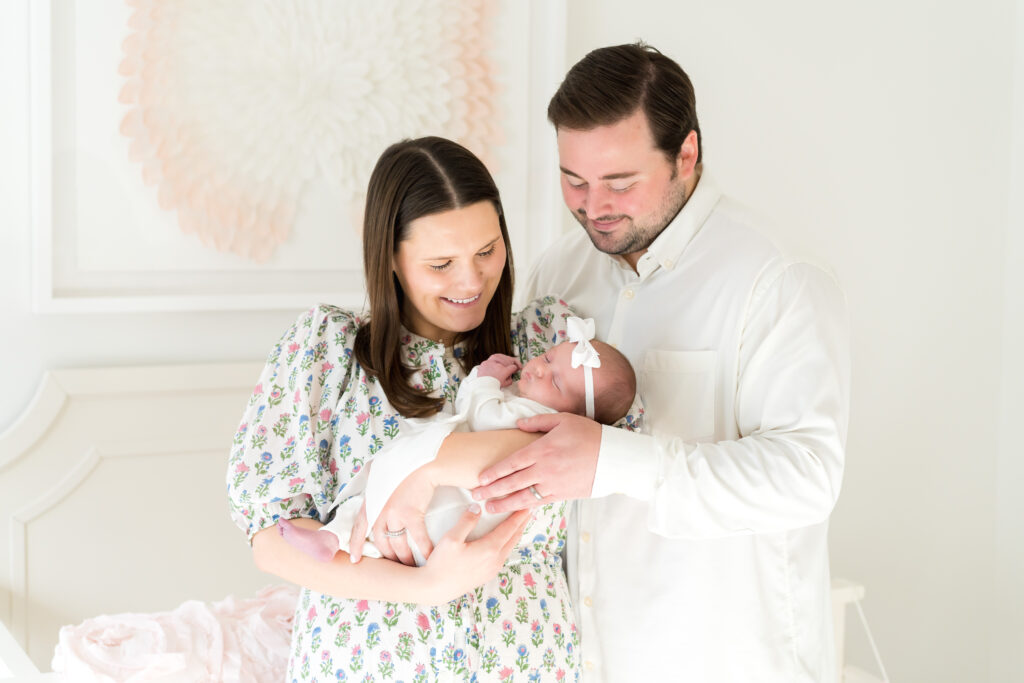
314, 419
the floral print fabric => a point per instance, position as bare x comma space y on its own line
313, 421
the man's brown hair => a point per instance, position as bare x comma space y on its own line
611, 83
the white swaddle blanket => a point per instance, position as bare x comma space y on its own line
481, 404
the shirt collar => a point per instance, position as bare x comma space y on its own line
668, 246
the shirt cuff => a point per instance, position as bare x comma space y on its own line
627, 464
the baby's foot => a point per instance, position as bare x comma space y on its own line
310, 541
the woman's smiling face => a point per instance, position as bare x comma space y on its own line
449, 267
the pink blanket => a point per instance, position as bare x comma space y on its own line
230, 640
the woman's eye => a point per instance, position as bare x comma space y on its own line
489, 251
443, 266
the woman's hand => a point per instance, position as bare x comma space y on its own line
458, 566
405, 509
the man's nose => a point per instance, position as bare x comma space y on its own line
597, 202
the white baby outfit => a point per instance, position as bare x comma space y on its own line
480, 405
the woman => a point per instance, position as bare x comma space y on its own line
439, 278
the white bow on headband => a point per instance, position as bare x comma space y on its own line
582, 331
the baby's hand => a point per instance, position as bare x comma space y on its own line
500, 367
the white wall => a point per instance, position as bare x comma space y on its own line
31, 343
876, 136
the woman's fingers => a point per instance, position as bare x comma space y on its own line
507, 534
524, 518
466, 523
400, 544
383, 542
418, 534
357, 538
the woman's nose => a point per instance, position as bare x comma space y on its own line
471, 277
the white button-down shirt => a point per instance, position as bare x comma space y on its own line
702, 555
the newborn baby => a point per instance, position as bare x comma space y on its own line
587, 378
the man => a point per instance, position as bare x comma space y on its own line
701, 550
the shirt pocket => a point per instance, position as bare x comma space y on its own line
678, 391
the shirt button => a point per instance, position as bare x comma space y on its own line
667, 263
585, 537
588, 601
628, 294
589, 665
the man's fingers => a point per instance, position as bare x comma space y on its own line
466, 522
520, 500
506, 485
539, 423
358, 536
515, 462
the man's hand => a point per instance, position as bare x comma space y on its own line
404, 510
500, 367
560, 465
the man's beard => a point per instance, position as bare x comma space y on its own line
637, 237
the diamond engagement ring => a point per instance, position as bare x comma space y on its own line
394, 534
536, 493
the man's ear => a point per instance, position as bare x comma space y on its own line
686, 160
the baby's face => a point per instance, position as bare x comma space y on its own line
551, 380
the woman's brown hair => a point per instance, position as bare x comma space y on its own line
412, 179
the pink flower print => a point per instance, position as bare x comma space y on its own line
312, 613
297, 397
420, 668
561, 525
293, 347
259, 389
362, 417
536, 328
557, 628
290, 441
296, 481
275, 394
333, 467
326, 367
535, 626
243, 427
503, 583
560, 674
326, 655
563, 303
261, 431
528, 580
506, 672
385, 656
325, 414
506, 626
334, 611
422, 621
389, 612
242, 467
362, 606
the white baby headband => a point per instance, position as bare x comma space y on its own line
582, 331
